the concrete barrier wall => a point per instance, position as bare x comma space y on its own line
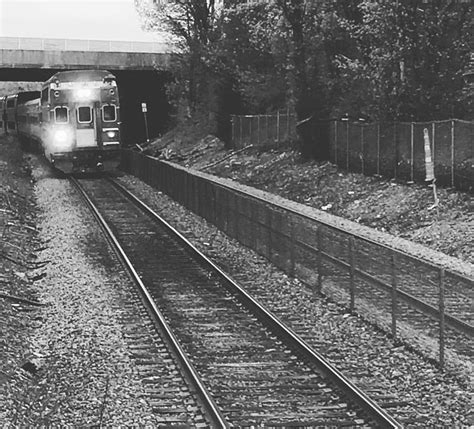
353, 264
275, 227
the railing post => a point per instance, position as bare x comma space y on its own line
442, 330
292, 249
319, 285
362, 147
412, 152
394, 294
378, 148
352, 272
335, 141
396, 150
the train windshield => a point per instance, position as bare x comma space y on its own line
61, 115
109, 113
84, 114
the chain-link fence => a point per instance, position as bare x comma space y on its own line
263, 130
389, 149
397, 150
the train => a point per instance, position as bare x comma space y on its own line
74, 120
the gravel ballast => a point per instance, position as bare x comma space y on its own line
70, 365
65, 363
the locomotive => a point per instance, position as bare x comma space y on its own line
74, 120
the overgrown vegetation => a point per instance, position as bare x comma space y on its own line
381, 60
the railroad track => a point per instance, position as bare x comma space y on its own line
246, 367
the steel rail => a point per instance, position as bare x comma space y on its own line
373, 410
210, 407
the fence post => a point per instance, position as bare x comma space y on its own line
335, 141
352, 272
362, 147
441, 317
347, 145
433, 128
266, 126
258, 130
412, 152
233, 130
452, 153
394, 294
241, 133
250, 129
278, 126
287, 123
378, 148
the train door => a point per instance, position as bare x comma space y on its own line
3, 116
86, 130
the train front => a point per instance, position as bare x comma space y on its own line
81, 121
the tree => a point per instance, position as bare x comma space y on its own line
414, 53
192, 25
307, 24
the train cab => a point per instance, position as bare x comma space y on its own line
80, 116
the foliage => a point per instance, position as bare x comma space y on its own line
192, 28
410, 57
250, 53
382, 60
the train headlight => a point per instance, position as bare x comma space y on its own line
61, 136
83, 93
62, 139
111, 134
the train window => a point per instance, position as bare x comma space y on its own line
84, 114
11, 103
109, 113
61, 115
44, 95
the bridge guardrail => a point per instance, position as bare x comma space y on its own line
28, 43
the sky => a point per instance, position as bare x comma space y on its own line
73, 19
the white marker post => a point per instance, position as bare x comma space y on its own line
144, 110
430, 167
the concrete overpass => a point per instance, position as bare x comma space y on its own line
142, 70
24, 56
